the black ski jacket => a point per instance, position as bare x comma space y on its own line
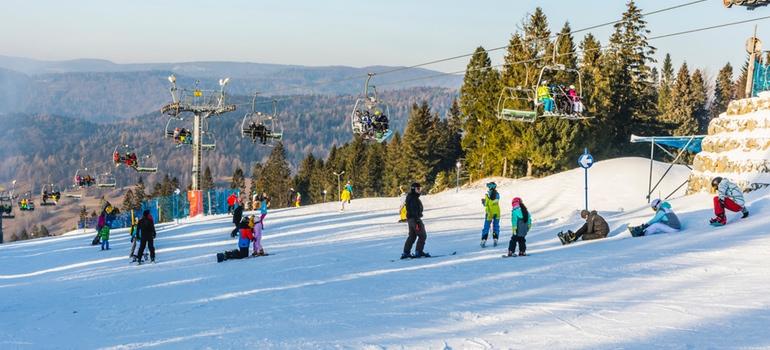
413, 205
238, 214
146, 229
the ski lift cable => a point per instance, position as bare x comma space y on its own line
577, 51
357, 77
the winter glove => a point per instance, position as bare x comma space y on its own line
644, 226
483, 201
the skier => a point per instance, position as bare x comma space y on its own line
729, 196
103, 227
292, 194
402, 208
594, 228
544, 97
577, 105
298, 199
521, 222
664, 221
264, 203
146, 228
246, 236
237, 216
231, 200
491, 203
256, 227
134, 232
345, 195
416, 227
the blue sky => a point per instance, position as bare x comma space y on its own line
339, 32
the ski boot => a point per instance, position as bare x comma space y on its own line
494, 244
406, 256
483, 243
562, 238
745, 213
510, 254
636, 231
522, 254
422, 255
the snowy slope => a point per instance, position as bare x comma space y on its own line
331, 282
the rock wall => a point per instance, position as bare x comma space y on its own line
737, 146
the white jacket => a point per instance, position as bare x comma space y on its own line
730, 190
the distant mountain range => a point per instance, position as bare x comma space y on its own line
100, 90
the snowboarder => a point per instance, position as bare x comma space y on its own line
664, 221
491, 203
594, 228
231, 200
521, 222
246, 236
237, 216
730, 197
146, 228
416, 227
103, 227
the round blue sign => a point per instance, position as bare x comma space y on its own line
586, 161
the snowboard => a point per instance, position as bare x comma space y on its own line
425, 257
221, 257
514, 255
563, 238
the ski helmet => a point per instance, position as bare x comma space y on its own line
655, 203
515, 202
491, 185
715, 182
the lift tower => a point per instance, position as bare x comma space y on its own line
202, 104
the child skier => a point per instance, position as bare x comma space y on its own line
491, 203
664, 221
257, 233
264, 202
729, 196
103, 226
521, 222
134, 232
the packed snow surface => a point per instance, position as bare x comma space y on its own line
332, 282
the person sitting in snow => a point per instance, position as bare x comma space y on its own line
729, 196
664, 221
246, 237
491, 203
521, 222
595, 227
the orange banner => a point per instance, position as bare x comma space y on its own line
196, 202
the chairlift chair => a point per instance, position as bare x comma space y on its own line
106, 180
173, 132
127, 156
26, 203
368, 107
272, 128
6, 207
522, 104
50, 194
83, 178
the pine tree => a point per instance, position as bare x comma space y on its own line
417, 146
682, 114
128, 201
23, 236
395, 173
239, 180
478, 100
303, 178
44, 231
700, 100
590, 69
740, 84
275, 176
664, 88
207, 181
83, 214
375, 169
724, 91
139, 194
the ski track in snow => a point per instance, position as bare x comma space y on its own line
331, 283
